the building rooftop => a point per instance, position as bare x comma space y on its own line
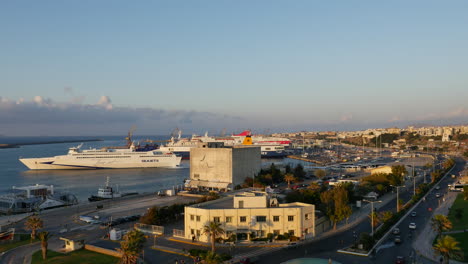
228, 203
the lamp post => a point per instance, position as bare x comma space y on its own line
372, 213
397, 197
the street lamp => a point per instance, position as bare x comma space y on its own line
372, 213
397, 197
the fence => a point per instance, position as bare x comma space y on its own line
178, 233
150, 229
103, 250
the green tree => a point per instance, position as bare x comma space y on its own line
214, 230
399, 170
34, 223
335, 202
386, 216
44, 237
320, 173
440, 223
447, 247
299, 172
289, 178
465, 193
131, 247
374, 216
212, 258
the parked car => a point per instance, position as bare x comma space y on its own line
400, 260
291, 245
413, 213
412, 226
396, 231
437, 187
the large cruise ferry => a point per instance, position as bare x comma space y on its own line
105, 158
271, 147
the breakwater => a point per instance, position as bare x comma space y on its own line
16, 145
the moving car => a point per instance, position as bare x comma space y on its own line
396, 231
397, 239
413, 213
437, 195
437, 187
400, 260
412, 226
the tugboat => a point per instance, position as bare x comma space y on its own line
104, 193
107, 192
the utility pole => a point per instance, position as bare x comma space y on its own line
397, 197
372, 213
414, 181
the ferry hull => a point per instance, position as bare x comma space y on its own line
55, 163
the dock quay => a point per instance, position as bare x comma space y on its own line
297, 157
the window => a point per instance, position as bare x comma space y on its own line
241, 204
228, 219
291, 232
308, 216
216, 219
261, 218
243, 219
276, 232
290, 218
192, 231
276, 218
198, 232
198, 218
196, 175
192, 217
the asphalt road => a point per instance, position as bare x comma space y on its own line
327, 248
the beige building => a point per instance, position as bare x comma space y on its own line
382, 169
214, 166
253, 212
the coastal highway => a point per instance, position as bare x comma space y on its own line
326, 248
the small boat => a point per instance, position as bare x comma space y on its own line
107, 192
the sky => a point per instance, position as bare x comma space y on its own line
98, 67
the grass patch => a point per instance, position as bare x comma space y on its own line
20, 239
459, 203
462, 238
81, 256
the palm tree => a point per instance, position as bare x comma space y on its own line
289, 178
131, 247
214, 230
376, 217
44, 237
447, 247
440, 223
33, 223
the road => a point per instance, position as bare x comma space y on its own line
327, 248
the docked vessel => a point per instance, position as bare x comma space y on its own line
35, 197
105, 158
271, 147
107, 192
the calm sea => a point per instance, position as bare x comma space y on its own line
84, 183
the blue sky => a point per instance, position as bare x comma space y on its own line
207, 65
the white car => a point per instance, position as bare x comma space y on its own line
437, 195
413, 213
437, 187
412, 226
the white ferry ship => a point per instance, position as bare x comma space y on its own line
105, 158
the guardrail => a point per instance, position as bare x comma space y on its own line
150, 229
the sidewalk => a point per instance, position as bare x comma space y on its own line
423, 243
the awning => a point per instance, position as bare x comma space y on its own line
209, 184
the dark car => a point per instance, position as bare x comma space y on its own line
400, 260
397, 239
